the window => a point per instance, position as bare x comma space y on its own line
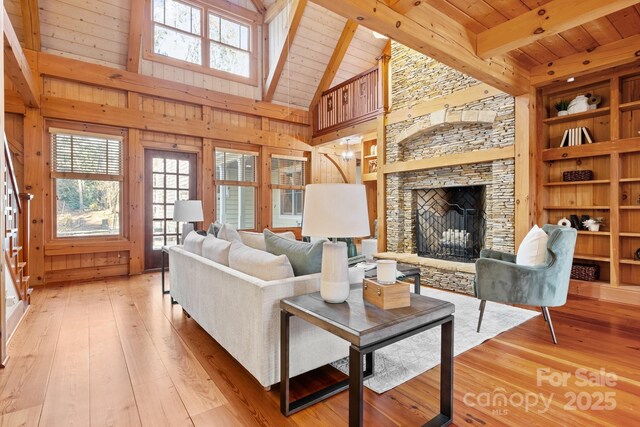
236, 183
87, 172
202, 35
288, 177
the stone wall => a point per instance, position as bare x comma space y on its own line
416, 78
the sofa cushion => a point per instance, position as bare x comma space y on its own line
305, 258
193, 243
217, 250
257, 263
214, 228
533, 249
256, 240
229, 233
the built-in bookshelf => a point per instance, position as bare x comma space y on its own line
614, 157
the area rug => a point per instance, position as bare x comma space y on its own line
406, 359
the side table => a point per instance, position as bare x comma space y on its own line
368, 328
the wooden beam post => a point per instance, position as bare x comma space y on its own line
16, 66
544, 21
621, 52
136, 202
31, 24
427, 30
381, 183
136, 26
524, 168
36, 182
348, 32
297, 9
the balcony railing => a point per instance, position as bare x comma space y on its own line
354, 101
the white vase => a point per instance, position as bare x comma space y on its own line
578, 105
594, 227
562, 113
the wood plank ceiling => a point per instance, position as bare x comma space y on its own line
480, 15
453, 31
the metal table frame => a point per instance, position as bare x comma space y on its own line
357, 374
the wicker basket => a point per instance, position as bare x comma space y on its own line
581, 175
586, 272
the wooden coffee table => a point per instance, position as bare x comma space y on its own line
367, 328
407, 270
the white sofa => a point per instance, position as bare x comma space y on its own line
242, 313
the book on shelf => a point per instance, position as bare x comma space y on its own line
576, 136
587, 137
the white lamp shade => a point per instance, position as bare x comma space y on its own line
335, 210
187, 211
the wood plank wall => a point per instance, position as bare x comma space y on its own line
50, 261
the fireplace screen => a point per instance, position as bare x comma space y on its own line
451, 223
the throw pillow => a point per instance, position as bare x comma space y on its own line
533, 249
193, 243
217, 250
256, 240
257, 263
229, 233
214, 228
305, 258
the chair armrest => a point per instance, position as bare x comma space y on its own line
502, 256
503, 281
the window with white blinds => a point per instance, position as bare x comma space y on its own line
88, 173
234, 165
78, 155
288, 172
236, 181
288, 177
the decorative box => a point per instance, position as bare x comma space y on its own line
581, 175
586, 272
386, 296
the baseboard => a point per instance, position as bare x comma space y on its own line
89, 273
604, 292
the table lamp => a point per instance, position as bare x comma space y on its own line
336, 211
187, 212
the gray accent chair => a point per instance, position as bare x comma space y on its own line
500, 279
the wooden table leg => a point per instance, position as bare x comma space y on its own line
356, 378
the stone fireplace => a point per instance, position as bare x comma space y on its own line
478, 125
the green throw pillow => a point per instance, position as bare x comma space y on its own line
305, 258
214, 228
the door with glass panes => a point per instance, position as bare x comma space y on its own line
169, 176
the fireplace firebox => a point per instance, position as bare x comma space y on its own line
451, 222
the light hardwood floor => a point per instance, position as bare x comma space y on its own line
116, 352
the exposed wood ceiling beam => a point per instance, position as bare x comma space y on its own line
31, 24
297, 9
543, 21
403, 6
99, 75
136, 25
432, 33
621, 52
274, 10
260, 7
16, 66
349, 31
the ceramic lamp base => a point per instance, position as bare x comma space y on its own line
334, 281
187, 228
